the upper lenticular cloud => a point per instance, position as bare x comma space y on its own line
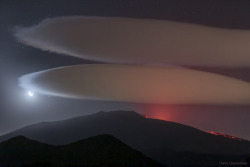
141, 84
140, 41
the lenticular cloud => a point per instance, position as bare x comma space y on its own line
144, 42
160, 85
140, 41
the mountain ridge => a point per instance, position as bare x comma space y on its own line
101, 150
150, 136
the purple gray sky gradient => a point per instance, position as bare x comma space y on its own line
17, 59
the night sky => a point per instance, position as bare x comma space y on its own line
18, 109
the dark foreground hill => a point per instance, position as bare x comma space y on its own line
102, 150
164, 141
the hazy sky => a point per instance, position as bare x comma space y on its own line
17, 109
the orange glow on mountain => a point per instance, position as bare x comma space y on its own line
199, 117
224, 135
157, 112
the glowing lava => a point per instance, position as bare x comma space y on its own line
224, 135
160, 112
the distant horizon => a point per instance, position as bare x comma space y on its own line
141, 114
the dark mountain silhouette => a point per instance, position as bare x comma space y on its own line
102, 150
157, 139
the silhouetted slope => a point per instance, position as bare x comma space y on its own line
102, 150
150, 136
184, 158
20, 149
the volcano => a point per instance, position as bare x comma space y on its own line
164, 141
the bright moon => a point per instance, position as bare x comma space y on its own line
30, 93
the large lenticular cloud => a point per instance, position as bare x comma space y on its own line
140, 41
168, 85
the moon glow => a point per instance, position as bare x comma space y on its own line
30, 93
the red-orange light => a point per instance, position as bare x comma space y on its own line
146, 116
224, 135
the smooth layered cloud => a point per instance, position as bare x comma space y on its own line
140, 41
141, 84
